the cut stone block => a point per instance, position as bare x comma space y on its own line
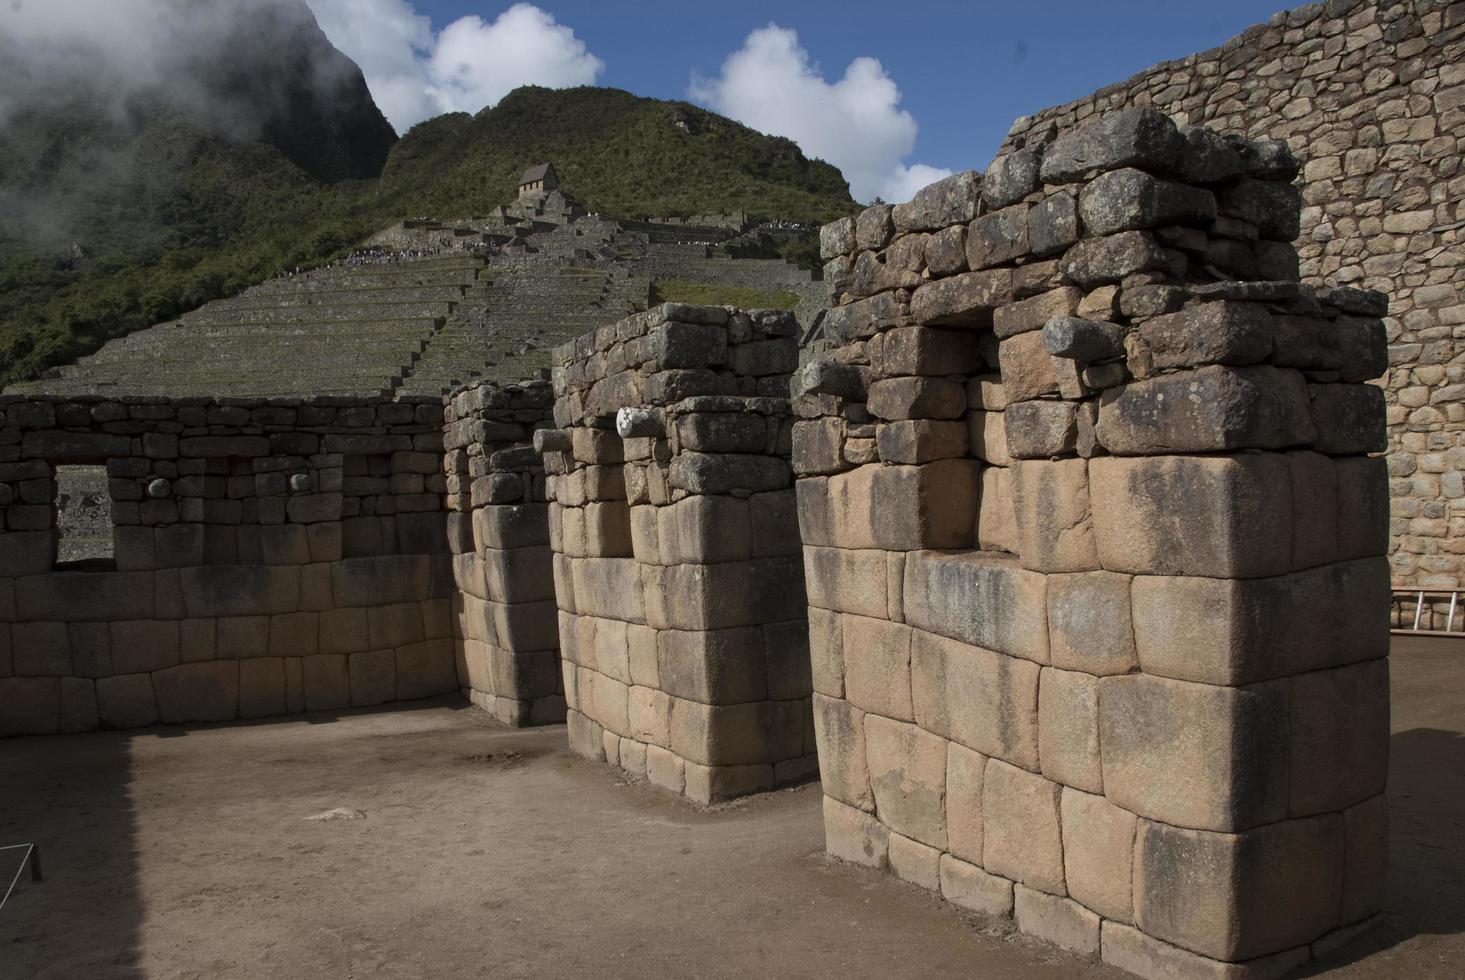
846, 581
839, 729
877, 666
1060, 921
980, 598
1129, 949
1054, 524
30, 705
984, 700
207, 691
1366, 859
972, 888
854, 835
1239, 896
826, 652
1098, 853
262, 687
1216, 516
1209, 409
1022, 836
126, 701
1195, 755
964, 773
908, 776
1068, 728
915, 862
1089, 623
1139, 137
736, 734
1339, 729
1227, 631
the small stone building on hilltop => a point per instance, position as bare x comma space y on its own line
538, 179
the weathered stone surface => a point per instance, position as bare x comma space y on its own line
981, 699
1340, 714
837, 238
30, 705
1129, 949
1098, 853
923, 351
1349, 418
1035, 311
972, 888
1239, 896
908, 776
1068, 728
1127, 199
1053, 224
1085, 341
1054, 526
839, 729
904, 508
1097, 261
1040, 429
1027, 369
996, 520
917, 398
1273, 206
914, 441
1089, 623
1226, 631
965, 771
1142, 137
1223, 751
849, 581
1010, 178
1207, 157
997, 238
915, 862
966, 300
1366, 859
945, 253
877, 666
1022, 839
1210, 333
1210, 409
726, 472
853, 835
987, 436
948, 201
975, 597
1217, 516
1057, 920
873, 227
206, 691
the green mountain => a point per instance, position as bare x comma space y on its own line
126, 212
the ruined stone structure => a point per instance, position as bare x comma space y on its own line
676, 550
270, 557
498, 530
1371, 97
1094, 553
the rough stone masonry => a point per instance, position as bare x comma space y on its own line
1371, 96
1094, 549
676, 550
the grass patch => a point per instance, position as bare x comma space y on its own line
716, 294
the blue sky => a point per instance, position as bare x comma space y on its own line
963, 70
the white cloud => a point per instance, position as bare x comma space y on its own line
855, 123
415, 73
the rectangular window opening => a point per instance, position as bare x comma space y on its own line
83, 518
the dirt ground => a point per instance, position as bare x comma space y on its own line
186, 852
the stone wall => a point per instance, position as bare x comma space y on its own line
269, 557
1371, 96
676, 550
498, 529
1094, 552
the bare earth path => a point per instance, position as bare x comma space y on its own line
181, 853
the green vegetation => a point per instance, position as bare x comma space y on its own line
717, 294
116, 224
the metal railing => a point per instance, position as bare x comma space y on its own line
32, 856
1403, 595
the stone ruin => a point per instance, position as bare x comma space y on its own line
1094, 553
1372, 94
676, 541
1091, 618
